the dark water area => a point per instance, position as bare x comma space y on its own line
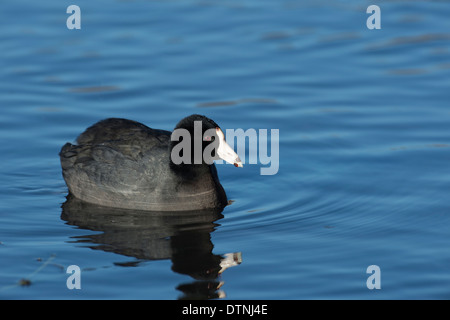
364, 148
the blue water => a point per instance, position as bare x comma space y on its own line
364, 122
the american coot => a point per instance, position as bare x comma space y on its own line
125, 164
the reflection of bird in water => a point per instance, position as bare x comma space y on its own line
183, 237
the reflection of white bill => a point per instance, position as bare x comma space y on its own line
230, 260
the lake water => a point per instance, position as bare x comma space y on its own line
364, 148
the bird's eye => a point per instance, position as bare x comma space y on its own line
207, 138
